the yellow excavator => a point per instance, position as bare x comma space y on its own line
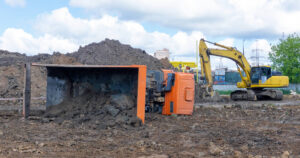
259, 81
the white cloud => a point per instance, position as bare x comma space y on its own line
60, 31
60, 23
217, 62
19, 41
227, 42
261, 44
16, 3
259, 48
237, 18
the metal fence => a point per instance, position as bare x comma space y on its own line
292, 86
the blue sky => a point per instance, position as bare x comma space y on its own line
24, 16
35, 26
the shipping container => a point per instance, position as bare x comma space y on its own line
219, 79
220, 72
232, 77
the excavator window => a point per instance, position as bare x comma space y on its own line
260, 73
255, 74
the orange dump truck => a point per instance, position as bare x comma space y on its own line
170, 92
164, 91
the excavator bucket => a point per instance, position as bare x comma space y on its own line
65, 82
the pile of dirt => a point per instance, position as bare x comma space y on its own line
112, 52
12, 75
13, 58
97, 110
166, 63
107, 52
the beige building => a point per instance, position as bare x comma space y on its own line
160, 54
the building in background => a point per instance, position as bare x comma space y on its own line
160, 54
219, 73
219, 77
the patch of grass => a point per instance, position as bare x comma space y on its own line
285, 91
224, 92
297, 91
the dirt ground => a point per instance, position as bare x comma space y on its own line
232, 129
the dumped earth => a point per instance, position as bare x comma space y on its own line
95, 110
235, 129
107, 52
12, 72
112, 52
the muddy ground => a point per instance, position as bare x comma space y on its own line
240, 129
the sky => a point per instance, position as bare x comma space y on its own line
35, 26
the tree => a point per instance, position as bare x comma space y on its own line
286, 57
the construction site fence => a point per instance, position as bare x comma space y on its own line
292, 86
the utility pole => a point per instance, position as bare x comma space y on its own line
243, 47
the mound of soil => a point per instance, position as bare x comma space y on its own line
13, 58
96, 110
107, 52
112, 52
12, 76
166, 63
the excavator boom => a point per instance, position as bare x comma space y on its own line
265, 78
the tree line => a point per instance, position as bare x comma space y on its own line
286, 57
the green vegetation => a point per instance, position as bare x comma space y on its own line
284, 91
224, 92
286, 57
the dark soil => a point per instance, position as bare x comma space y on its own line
112, 52
107, 52
13, 58
236, 131
12, 73
96, 111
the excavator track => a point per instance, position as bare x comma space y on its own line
256, 94
279, 95
243, 95
269, 94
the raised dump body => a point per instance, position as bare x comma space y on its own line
65, 82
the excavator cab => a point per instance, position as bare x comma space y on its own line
260, 74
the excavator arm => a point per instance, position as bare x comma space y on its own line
255, 89
227, 52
